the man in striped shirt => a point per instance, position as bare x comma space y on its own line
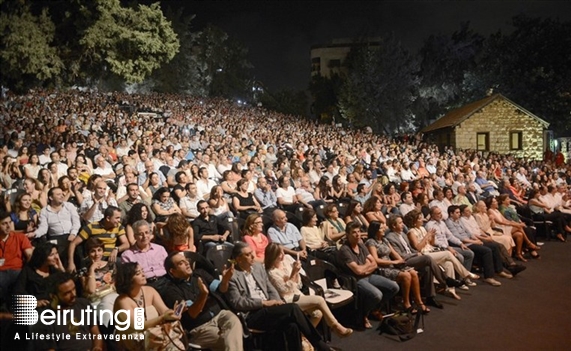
109, 230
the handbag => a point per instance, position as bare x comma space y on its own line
402, 324
166, 337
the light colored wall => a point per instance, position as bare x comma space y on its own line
499, 118
329, 53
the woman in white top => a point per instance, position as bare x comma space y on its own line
283, 271
423, 241
485, 225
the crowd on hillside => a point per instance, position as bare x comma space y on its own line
90, 180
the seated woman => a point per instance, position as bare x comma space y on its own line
24, 217
218, 203
97, 282
486, 225
33, 277
423, 241
516, 229
339, 189
511, 215
245, 203
471, 225
392, 198
254, 236
229, 185
406, 277
153, 184
373, 210
324, 190
333, 227
137, 212
355, 214
314, 237
163, 206
133, 293
283, 272
179, 234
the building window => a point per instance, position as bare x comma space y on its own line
316, 64
516, 141
483, 141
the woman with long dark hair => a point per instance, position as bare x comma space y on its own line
33, 277
386, 258
130, 283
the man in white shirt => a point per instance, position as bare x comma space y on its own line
212, 171
405, 173
407, 204
204, 184
440, 202
61, 167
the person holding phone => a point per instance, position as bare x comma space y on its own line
284, 273
130, 283
211, 324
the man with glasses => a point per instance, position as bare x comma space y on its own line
251, 293
208, 229
148, 255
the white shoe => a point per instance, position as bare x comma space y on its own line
492, 282
468, 282
464, 287
505, 275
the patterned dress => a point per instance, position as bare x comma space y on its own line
383, 251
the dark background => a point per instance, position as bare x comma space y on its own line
279, 34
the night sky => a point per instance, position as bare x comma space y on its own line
279, 34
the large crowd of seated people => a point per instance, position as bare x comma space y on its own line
104, 193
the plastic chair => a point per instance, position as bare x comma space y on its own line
219, 256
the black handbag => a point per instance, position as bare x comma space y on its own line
402, 324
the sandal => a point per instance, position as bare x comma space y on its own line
520, 257
424, 309
367, 324
534, 254
561, 238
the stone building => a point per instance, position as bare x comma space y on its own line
495, 124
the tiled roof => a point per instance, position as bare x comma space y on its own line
459, 115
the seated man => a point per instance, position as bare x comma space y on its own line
266, 196
93, 207
355, 259
148, 255
210, 323
208, 229
59, 222
443, 237
287, 235
82, 336
133, 197
14, 248
424, 264
489, 255
109, 230
251, 292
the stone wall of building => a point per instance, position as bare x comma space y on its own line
499, 118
